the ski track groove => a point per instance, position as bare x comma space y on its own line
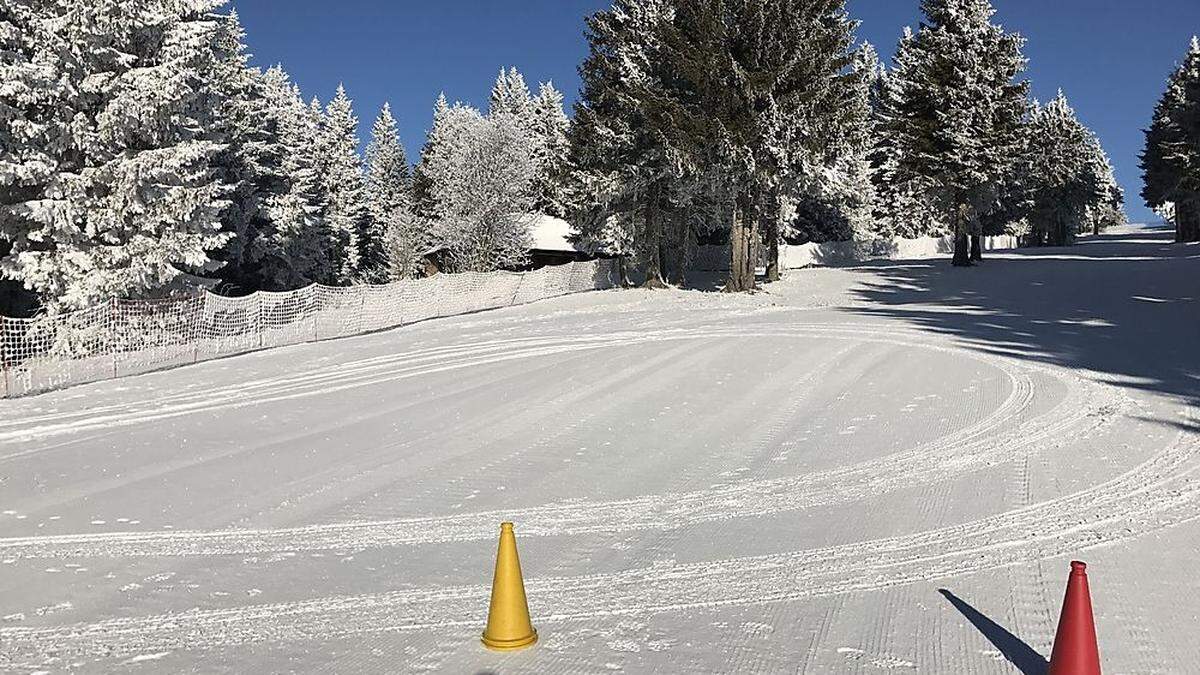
1084, 408
821, 635
1157, 494
501, 469
1161, 492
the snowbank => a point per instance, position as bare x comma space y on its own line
716, 258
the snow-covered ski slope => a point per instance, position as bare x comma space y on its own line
884, 468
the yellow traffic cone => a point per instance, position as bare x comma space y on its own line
508, 625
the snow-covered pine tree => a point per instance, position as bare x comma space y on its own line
836, 204
511, 96
957, 113
1057, 174
33, 129
346, 210
623, 171
125, 195
902, 209
423, 189
251, 161
1171, 159
553, 152
408, 237
296, 246
1108, 207
755, 87
387, 191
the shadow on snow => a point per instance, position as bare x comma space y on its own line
1126, 306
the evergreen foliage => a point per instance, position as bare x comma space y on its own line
137, 143
624, 172
1171, 159
344, 183
1059, 177
388, 192
957, 112
107, 179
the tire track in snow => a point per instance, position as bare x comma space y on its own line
1086, 408
1162, 492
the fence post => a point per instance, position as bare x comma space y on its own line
258, 322
316, 309
362, 310
196, 326
112, 334
4, 358
517, 290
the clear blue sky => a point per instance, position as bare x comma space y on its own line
1111, 57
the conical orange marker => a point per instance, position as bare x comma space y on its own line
508, 625
1075, 650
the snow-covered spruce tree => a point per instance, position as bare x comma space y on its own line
346, 210
1108, 208
296, 245
1057, 174
542, 116
476, 177
388, 192
251, 162
1171, 159
901, 207
755, 87
424, 191
34, 131
122, 193
553, 152
511, 96
958, 112
623, 171
407, 238
837, 205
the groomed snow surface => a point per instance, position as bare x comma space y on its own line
884, 468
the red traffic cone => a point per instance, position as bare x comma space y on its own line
1075, 651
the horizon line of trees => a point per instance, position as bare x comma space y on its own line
139, 144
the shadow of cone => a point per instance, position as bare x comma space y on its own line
508, 625
1075, 651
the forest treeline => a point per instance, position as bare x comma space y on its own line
139, 144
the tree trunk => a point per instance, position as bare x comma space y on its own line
741, 245
680, 253
771, 234
962, 256
773, 271
653, 218
1187, 217
623, 272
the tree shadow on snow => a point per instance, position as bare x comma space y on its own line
1022, 656
1125, 306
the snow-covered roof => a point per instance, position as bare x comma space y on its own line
546, 233
551, 234
186, 284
